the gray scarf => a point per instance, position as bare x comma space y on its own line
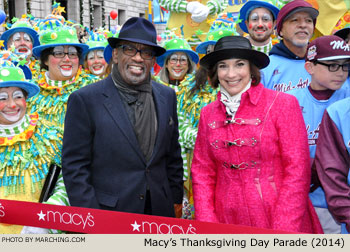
141, 110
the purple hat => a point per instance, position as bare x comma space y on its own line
138, 30
327, 48
293, 7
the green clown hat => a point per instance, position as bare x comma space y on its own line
96, 41
220, 28
12, 76
53, 33
177, 45
17, 60
21, 25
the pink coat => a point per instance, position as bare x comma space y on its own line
255, 171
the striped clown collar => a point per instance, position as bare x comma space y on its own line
55, 83
16, 128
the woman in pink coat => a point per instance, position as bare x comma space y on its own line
251, 161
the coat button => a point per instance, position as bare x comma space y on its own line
141, 196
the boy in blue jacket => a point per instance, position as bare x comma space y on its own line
327, 61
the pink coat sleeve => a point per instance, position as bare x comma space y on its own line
292, 202
204, 174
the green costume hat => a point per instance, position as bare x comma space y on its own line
12, 76
17, 60
177, 45
21, 26
96, 41
220, 28
53, 33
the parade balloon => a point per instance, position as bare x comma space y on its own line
2, 16
113, 14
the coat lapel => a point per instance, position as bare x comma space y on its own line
115, 107
161, 107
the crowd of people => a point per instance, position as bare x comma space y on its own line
247, 123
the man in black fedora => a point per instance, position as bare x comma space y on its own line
120, 147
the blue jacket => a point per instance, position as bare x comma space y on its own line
313, 110
286, 70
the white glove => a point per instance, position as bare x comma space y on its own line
192, 6
34, 230
199, 11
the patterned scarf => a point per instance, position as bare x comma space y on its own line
232, 102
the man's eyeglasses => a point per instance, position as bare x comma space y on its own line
71, 55
132, 51
335, 67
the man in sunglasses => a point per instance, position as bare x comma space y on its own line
121, 149
327, 61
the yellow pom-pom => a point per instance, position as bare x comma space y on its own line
54, 35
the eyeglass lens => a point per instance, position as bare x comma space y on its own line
58, 52
335, 67
132, 51
182, 59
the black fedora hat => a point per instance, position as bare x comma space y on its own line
138, 30
234, 47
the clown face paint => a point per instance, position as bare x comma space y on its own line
177, 65
12, 105
22, 42
96, 62
61, 69
260, 26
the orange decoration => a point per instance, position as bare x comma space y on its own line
347, 17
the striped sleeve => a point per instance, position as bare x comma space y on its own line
187, 138
217, 6
174, 5
59, 197
188, 134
